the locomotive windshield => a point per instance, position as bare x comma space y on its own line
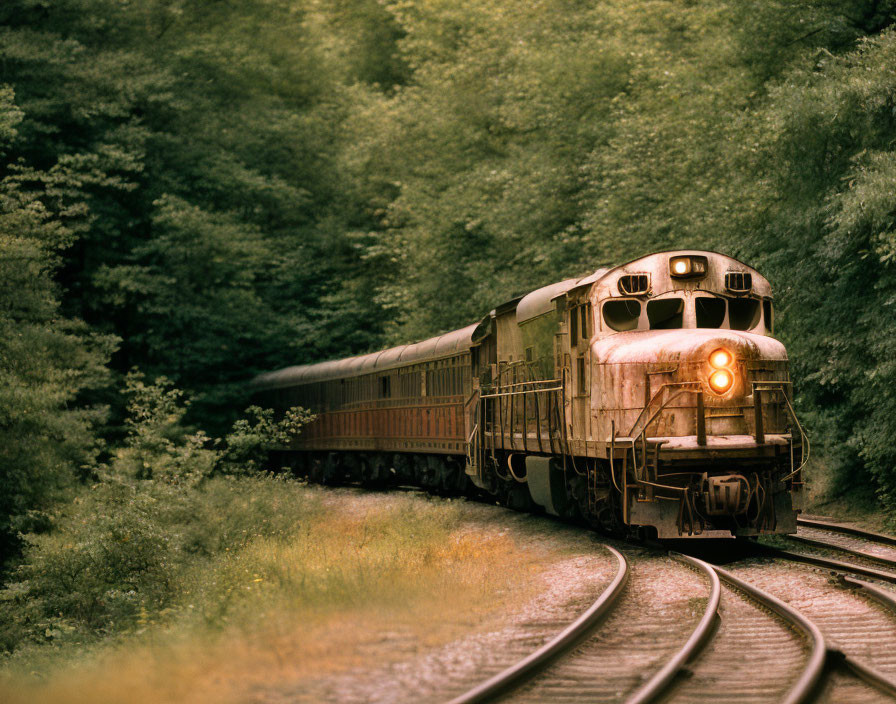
665, 314
710, 312
705, 311
622, 315
743, 313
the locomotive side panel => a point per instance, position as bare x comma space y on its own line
648, 396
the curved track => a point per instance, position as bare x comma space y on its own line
824, 657
651, 689
564, 641
867, 546
836, 565
802, 689
845, 529
837, 617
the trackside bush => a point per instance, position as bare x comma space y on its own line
120, 549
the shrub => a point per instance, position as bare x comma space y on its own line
119, 549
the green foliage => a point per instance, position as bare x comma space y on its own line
823, 225
230, 187
46, 360
124, 546
192, 149
248, 445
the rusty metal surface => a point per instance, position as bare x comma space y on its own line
545, 375
658, 346
434, 348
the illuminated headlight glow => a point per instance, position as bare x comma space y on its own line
721, 380
688, 266
720, 358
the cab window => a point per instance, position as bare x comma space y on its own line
710, 312
665, 313
622, 315
743, 313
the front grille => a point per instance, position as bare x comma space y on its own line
634, 284
738, 282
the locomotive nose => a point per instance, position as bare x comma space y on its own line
719, 359
722, 358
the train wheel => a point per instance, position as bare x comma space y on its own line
316, 469
517, 497
453, 476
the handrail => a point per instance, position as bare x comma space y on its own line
519, 393
777, 385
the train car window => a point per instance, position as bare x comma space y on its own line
710, 312
585, 312
385, 387
743, 313
769, 316
580, 376
665, 313
573, 327
622, 315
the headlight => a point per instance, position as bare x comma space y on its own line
720, 358
721, 380
690, 266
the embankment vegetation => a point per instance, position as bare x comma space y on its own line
205, 190
180, 573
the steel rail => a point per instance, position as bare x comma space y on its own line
830, 564
812, 673
846, 529
651, 689
865, 672
565, 640
862, 670
830, 655
883, 596
850, 551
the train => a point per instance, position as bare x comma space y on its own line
649, 399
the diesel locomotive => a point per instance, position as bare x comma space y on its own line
650, 398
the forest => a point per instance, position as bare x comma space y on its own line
193, 191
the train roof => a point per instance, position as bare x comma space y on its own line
528, 307
434, 348
657, 265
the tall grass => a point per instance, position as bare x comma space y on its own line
281, 582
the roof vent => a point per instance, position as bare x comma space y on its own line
739, 282
634, 284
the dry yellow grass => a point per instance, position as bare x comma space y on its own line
360, 575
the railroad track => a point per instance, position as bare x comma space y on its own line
847, 539
845, 529
862, 553
562, 643
822, 659
824, 656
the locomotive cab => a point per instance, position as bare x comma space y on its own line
691, 396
